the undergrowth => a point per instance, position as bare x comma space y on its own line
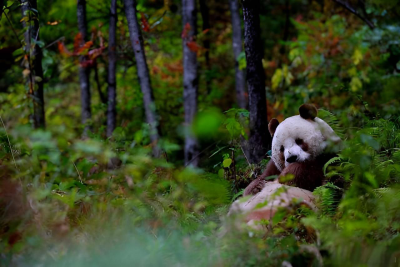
66, 201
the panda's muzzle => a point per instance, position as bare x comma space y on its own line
292, 159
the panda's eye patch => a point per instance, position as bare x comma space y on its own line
282, 148
299, 141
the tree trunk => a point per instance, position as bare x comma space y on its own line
103, 97
285, 37
1, 7
112, 64
143, 73
84, 71
34, 64
240, 82
259, 141
205, 15
190, 79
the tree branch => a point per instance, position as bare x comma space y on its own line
350, 8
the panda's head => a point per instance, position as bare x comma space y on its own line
300, 138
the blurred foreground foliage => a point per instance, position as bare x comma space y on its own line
68, 201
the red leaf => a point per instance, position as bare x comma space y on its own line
63, 50
87, 63
193, 46
205, 31
185, 32
84, 47
95, 52
78, 40
145, 23
299, 18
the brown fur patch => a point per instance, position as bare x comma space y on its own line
272, 125
258, 184
308, 111
304, 146
307, 175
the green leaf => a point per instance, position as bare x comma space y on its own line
277, 78
355, 84
242, 60
357, 57
371, 178
286, 178
369, 140
227, 163
233, 127
207, 123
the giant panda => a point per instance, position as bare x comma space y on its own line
301, 145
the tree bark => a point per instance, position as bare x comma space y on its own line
190, 79
240, 82
143, 73
34, 64
1, 7
84, 71
285, 37
112, 64
260, 140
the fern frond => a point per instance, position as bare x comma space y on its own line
328, 197
331, 161
332, 121
379, 192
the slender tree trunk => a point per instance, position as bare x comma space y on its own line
103, 97
260, 140
240, 82
84, 71
112, 64
285, 37
34, 62
190, 79
1, 7
143, 72
205, 15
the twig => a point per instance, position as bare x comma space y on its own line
12, 28
9, 143
96, 8
56, 41
233, 164
76, 168
246, 158
347, 6
198, 154
157, 21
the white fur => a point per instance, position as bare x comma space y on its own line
316, 133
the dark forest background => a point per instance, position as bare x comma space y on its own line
129, 127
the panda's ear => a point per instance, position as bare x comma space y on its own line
272, 125
308, 111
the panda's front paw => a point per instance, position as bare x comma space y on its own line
254, 187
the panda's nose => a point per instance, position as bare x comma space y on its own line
291, 159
